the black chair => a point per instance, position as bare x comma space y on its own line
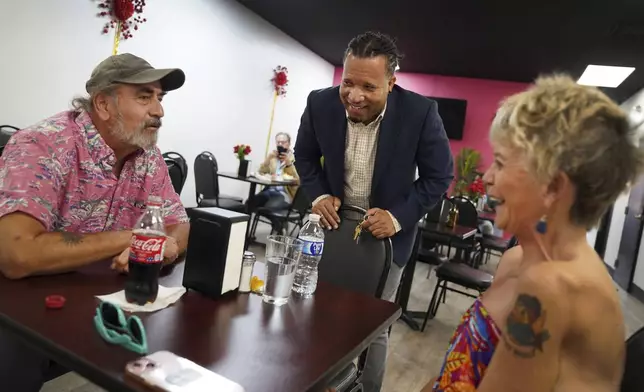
177, 168
460, 274
294, 214
438, 214
430, 243
514, 241
489, 245
633, 378
457, 271
468, 216
6, 131
207, 185
361, 267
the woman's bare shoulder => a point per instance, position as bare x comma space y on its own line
510, 260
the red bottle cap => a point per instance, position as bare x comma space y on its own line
54, 301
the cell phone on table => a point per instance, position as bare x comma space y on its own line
168, 372
281, 150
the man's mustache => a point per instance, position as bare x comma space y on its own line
155, 122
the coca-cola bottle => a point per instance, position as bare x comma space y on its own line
146, 254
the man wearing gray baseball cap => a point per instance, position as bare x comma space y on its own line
74, 185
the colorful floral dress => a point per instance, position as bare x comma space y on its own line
470, 351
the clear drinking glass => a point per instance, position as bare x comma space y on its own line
282, 255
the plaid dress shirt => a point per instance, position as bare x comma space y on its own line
359, 161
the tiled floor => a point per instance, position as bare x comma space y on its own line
414, 357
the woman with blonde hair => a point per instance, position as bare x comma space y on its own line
551, 321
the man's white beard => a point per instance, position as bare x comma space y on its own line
138, 137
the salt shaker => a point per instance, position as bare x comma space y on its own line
247, 271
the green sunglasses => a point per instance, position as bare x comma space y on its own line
115, 328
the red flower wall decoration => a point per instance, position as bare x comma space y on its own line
280, 80
122, 12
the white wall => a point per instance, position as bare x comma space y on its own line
591, 236
615, 230
227, 52
617, 221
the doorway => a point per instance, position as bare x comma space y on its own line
629, 244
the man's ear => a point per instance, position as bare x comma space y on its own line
102, 104
392, 82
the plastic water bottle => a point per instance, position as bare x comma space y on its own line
306, 275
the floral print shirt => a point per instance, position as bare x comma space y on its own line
60, 171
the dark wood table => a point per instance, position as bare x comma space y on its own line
297, 347
456, 232
254, 181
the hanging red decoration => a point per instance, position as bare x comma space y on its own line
124, 15
123, 9
280, 80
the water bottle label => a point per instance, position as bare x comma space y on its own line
312, 248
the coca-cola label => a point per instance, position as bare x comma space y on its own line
145, 249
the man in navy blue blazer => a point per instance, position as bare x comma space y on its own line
373, 136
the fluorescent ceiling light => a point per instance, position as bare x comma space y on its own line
604, 75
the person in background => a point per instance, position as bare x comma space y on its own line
551, 320
73, 186
278, 163
373, 135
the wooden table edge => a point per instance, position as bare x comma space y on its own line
65, 358
104, 380
322, 383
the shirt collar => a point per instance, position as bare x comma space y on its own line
98, 148
376, 120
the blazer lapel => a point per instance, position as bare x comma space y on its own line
334, 154
387, 141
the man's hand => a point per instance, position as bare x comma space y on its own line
170, 253
379, 223
328, 208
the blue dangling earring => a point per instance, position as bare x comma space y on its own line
542, 226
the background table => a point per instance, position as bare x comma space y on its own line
254, 181
456, 232
250, 202
297, 347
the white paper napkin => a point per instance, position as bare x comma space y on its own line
166, 297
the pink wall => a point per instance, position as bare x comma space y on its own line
483, 97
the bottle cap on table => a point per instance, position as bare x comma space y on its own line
55, 301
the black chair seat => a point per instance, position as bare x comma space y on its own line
493, 243
633, 377
226, 204
464, 275
346, 379
431, 257
283, 214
